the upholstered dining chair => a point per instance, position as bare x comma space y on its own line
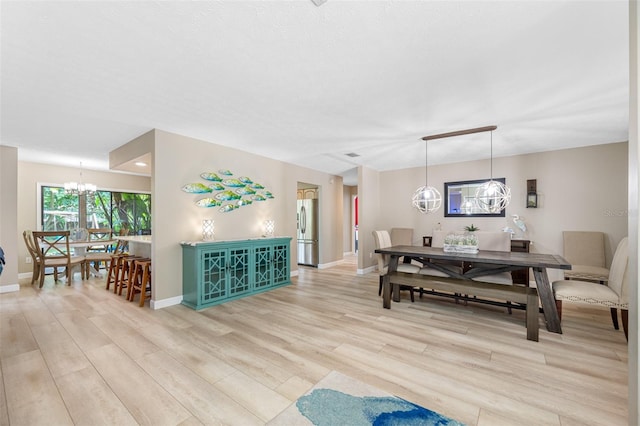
402, 237
383, 240
585, 251
494, 241
614, 294
54, 252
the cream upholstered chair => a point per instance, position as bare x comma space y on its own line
383, 240
401, 236
614, 295
585, 251
494, 241
437, 241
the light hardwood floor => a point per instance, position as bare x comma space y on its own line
81, 355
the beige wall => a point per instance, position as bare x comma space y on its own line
9, 217
578, 189
179, 160
370, 200
32, 174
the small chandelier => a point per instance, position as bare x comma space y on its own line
426, 199
79, 188
493, 196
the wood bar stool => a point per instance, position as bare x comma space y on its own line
114, 264
124, 272
141, 281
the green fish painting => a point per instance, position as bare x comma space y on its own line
216, 186
233, 183
245, 191
227, 193
211, 176
208, 202
228, 207
196, 188
227, 196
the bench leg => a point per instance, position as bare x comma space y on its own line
532, 317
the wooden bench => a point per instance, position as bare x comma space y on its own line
522, 295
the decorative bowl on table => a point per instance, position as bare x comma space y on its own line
461, 243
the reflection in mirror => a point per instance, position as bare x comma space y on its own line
460, 199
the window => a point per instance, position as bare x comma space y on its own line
127, 213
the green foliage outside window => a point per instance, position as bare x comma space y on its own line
125, 212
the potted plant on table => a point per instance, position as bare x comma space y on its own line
471, 228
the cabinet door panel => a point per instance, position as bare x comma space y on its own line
280, 264
214, 274
239, 271
262, 268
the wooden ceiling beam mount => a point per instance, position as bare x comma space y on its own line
460, 133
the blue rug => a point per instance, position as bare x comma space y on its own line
340, 400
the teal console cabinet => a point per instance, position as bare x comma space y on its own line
219, 271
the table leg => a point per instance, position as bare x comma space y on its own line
393, 267
546, 297
386, 292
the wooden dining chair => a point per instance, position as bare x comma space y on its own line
54, 252
29, 241
101, 252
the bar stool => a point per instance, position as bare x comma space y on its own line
114, 269
141, 281
125, 268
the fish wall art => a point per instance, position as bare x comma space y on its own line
226, 192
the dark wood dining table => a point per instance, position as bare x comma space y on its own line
491, 262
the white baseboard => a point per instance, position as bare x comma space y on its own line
25, 275
165, 303
9, 288
366, 271
330, 264
294, 273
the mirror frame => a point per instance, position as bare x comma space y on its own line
448, 185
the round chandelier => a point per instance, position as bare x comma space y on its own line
493, 196
426, 199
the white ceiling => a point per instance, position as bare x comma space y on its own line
307, 84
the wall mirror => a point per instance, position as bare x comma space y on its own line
459, 199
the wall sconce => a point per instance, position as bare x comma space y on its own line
269, 226
207, 230
532, 195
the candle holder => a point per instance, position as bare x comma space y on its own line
207, 230
269, 227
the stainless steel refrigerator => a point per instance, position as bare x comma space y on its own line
308, 232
